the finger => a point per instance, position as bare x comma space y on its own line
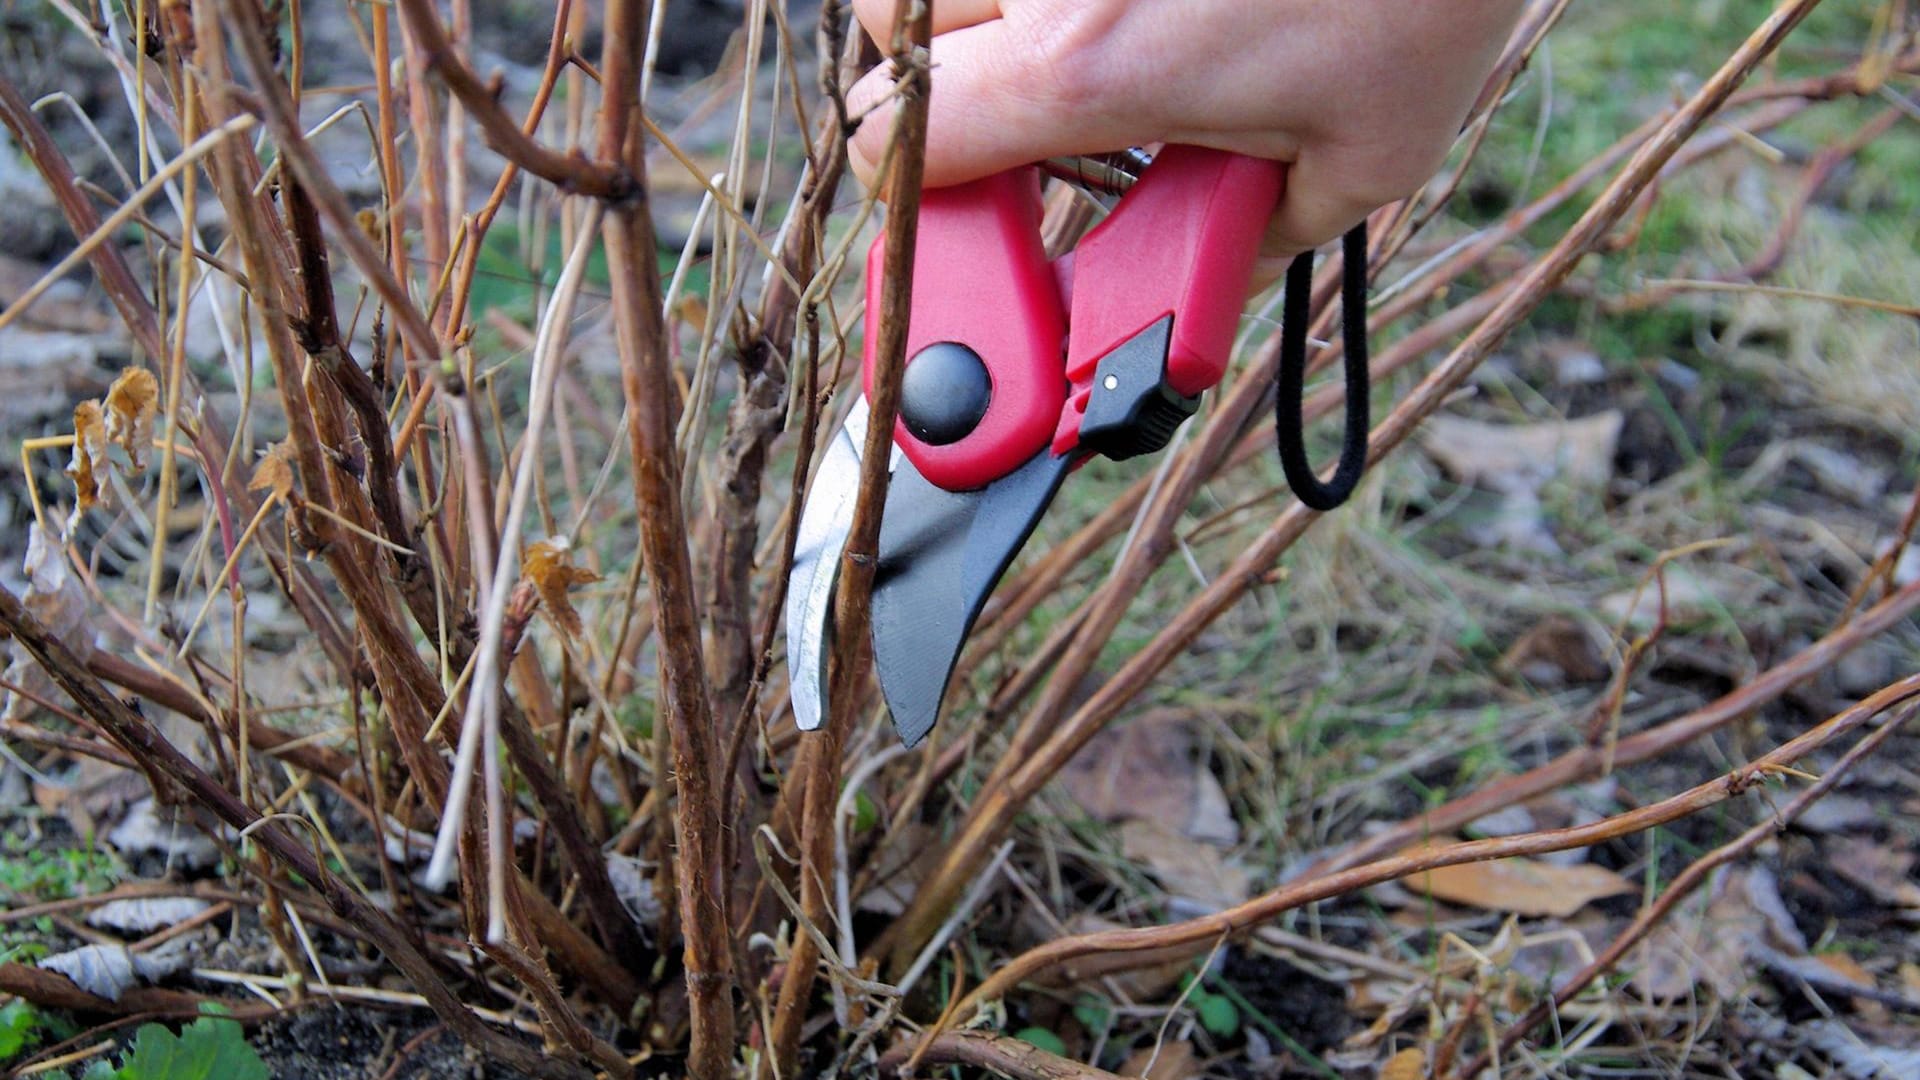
1320, 204
876, 16
1001, 99
1306, 219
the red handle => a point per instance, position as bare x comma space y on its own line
1181, 242
981, 279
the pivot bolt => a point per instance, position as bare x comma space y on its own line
944, 393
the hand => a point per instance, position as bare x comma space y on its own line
1362, 98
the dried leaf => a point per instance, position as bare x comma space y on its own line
132, 401
1169, 1061
1145, 771
633, 884
142, 830
1709, 941
1408, 1064
1524, 457
89, 458
101, 970
1846, 967
57, 600
144, 915
1555, 651
53, 596
1885, 873
275, 471
549, 565
1197, 872
1522, 886
110, 970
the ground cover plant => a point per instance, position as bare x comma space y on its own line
412, 403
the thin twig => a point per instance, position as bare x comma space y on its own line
1260, 909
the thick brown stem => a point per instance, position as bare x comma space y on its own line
53, 990
647, 382
852, 605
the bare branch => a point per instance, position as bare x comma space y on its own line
606, 179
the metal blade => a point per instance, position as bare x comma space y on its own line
941, 554
816, 567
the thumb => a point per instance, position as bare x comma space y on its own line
1000, 100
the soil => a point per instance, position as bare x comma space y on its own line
355, 1042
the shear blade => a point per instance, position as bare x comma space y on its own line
941, 554
822, 539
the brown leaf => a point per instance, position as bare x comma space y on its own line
1524, 457
1145, 771
1555, 651
89, 458
132, 401
1846, 967
1522, 886
275, 471
549, 565
1884, 872
1408, 1064
1704, 941
1196, 871
1170, 1061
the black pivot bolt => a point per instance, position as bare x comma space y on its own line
944, 392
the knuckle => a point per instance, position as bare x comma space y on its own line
1071, 54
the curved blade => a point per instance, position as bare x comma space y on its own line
941, 554
816, 567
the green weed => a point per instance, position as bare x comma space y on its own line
210, 1048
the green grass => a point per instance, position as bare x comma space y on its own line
24, 1026
55, 873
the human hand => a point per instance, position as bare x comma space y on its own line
1362, 98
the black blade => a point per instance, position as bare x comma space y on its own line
941, 554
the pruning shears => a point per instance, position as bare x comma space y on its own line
1019, 369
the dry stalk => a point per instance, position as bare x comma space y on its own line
999, 1054
605, 178
819, 764
647, 383
1203, 931
1701, 870
178, 777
